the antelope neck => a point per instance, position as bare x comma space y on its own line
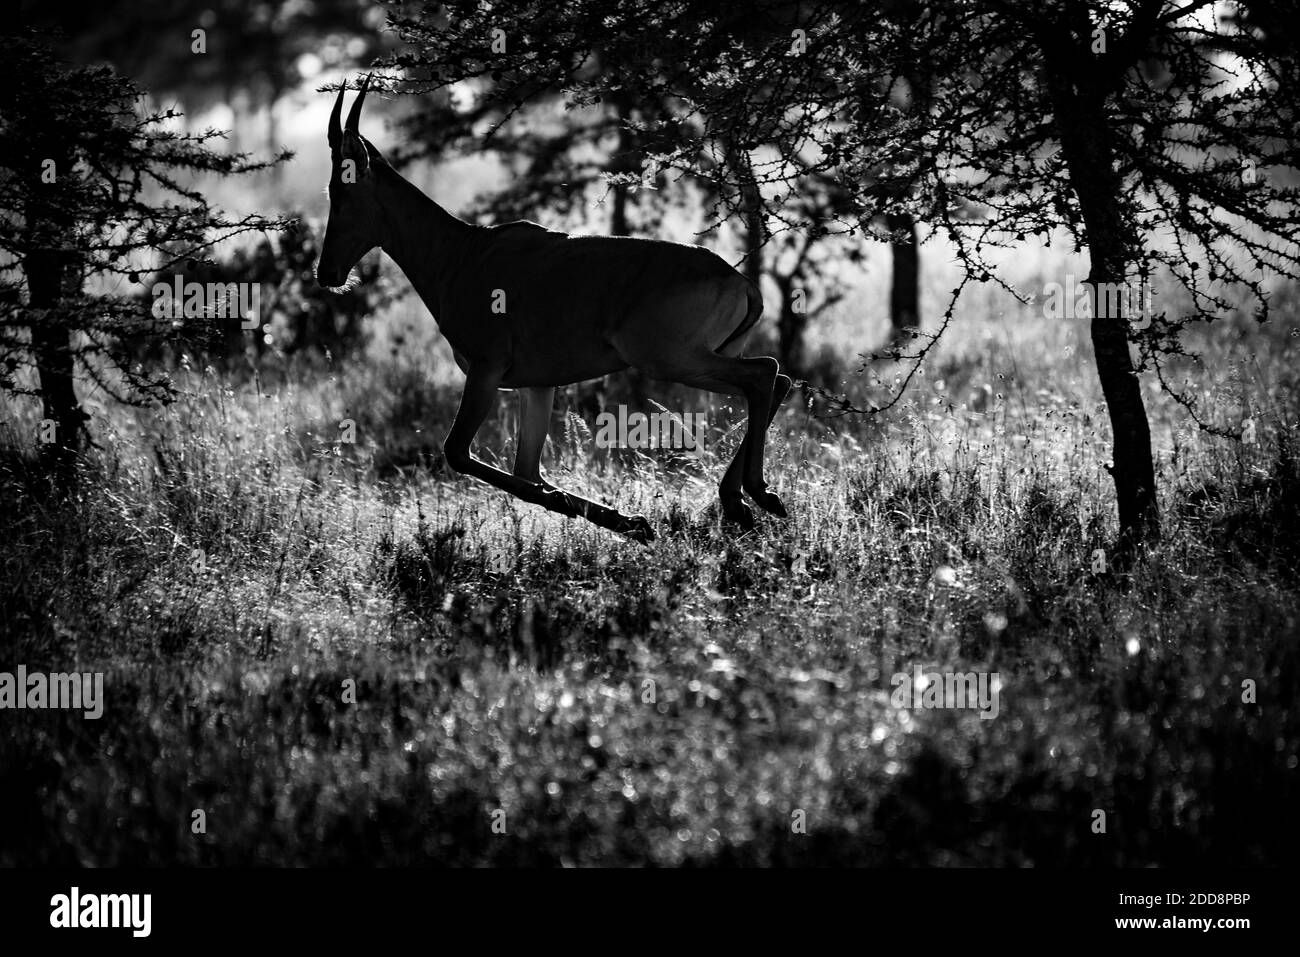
425, 241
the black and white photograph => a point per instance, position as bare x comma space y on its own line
646, 435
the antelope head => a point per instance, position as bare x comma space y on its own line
354, 226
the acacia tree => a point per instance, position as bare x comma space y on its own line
91, 194
1157, 135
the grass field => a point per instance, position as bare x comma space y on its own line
343, 653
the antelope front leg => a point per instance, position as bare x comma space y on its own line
476, 403
549, 497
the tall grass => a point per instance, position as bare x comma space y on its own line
235, 569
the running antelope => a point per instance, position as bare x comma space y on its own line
527, 308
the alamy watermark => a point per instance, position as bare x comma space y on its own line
947, 689
1076, 299
73, 690
658, 430
75, 909
180, 300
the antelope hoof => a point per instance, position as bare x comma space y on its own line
768, 502
735, 510
638, 529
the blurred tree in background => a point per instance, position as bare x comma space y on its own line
298, 316
254, 51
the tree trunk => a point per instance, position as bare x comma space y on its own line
790, 327
752, 206
47, 268
273, 135
904, 291
52, 348
790, 330
1085, 142
618, 215
1132, 470
905, 282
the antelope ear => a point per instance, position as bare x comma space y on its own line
355, 158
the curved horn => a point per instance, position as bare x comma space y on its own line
355, 113
335, 133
